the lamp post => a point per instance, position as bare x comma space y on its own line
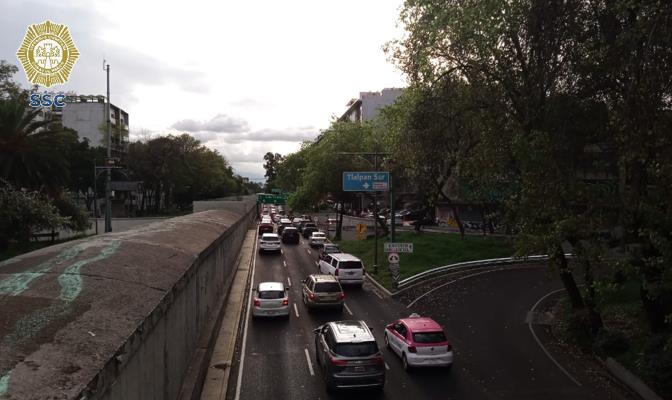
108, 181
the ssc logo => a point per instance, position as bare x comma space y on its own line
47, 54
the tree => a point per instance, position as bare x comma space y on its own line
31, 155
23, 212
271, 167
8, 87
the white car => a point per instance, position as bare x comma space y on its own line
347, 268
317, 239
419, 342
269, 242
270, 300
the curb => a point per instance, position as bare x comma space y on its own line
379, 286
628, 379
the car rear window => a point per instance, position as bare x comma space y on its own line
362, 349
271, 239
429, 337
331, 249
272, 294
327, 287
350, 265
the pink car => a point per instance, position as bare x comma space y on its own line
419, 341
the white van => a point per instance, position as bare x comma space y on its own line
347, 268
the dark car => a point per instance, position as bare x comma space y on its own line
304, 223
265, 228
290, 235
328, 248
308, 230
349, 355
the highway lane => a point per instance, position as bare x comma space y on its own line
276, 365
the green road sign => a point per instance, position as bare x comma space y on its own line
266, 198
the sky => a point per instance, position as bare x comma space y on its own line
244, 77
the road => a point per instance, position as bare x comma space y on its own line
496, 356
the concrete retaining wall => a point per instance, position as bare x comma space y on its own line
117, 316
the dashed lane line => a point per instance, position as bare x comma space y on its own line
289, 282
296, 311
309, 252
310, 364
347, 309
387, 367
284, 263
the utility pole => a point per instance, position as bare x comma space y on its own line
108, 182
375, 220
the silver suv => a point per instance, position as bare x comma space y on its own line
322, 291
348, 355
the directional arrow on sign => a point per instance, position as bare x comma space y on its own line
366, 185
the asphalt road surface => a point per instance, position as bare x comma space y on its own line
496, 356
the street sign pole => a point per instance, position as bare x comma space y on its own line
393, 230
108, 180
375, 221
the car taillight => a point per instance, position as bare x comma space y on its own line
378, 360
412, 349
312, 296
336, 361
336, 272
342, 296
285, 302
257, 303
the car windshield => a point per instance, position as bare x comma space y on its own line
350, 265
272, 294
327, 287
429, 337
362, 349
271, 239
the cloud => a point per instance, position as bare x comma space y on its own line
219, 123
282, 135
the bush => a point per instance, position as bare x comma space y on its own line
610, 343
655, 363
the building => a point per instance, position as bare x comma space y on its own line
86, 115
366, 107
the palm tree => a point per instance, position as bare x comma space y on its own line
31, 154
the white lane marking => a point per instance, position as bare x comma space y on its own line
464, 277
387, 367
239, 381
310, 364
377, 294
317, 263
296, 311
289, 282
529, 325
310, 252
347, 309
284, 263
282, 252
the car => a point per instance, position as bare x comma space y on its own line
317, 239
347, 268
328, 248
308, 230
270, 300
290, 235
419, 341
322, 291
331, 221
305, 223
276, 218
265, 227
296, 222
284, 222
269, 242
348, 355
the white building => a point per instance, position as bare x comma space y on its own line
366, 107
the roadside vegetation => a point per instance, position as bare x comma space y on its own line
429, 251
551, 117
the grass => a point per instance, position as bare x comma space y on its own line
14, 249
429, 251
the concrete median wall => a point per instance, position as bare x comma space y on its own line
117, 316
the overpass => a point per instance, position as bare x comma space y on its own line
121, 315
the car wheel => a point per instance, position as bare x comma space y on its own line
404, 362
387, 342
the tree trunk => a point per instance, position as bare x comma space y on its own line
568, 280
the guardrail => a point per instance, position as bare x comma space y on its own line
438, 271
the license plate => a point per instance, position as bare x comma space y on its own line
351, 273
360, 369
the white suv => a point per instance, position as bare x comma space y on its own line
269, 242
345, 267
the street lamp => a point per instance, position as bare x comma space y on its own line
108, 181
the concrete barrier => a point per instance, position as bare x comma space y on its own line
119, 315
